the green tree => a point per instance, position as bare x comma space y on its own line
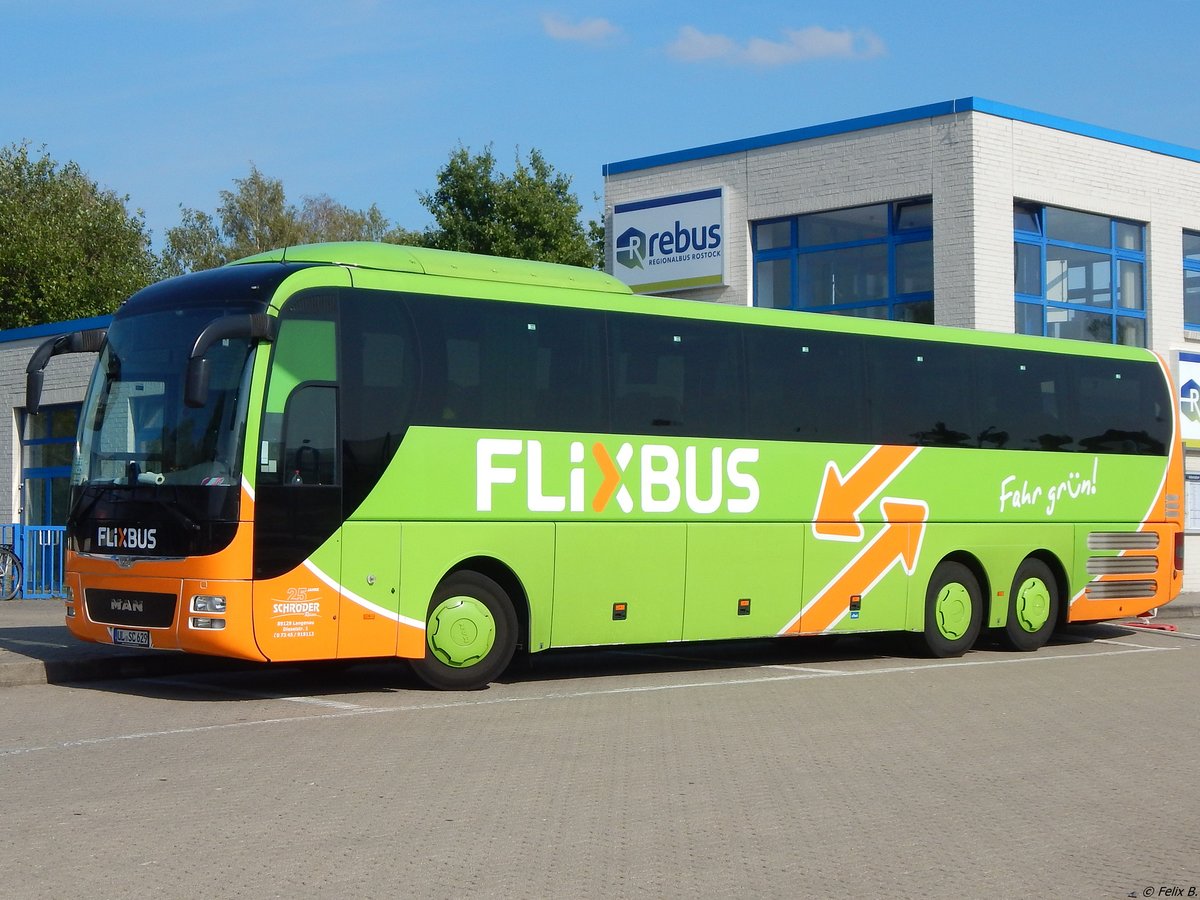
68, 249
530, 214
256, 216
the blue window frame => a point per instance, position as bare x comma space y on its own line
873, 261
48, 446
1079, 275
1191, 280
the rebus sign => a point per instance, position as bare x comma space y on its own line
670, 243
1187, 376
650, 478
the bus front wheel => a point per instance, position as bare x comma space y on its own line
953, 611
470, 634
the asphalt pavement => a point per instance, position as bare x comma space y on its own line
37, 648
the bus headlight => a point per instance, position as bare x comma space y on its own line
210, 624
205, 603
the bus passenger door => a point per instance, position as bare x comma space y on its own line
298, 495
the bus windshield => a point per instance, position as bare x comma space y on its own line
136, 428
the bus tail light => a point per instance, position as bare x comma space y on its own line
1179, 551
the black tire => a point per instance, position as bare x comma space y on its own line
953, 612
10, 574
1033, 604
470, 634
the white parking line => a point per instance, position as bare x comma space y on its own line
812, 669
179, 683
344, 710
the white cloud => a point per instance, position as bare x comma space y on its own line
798, 46
693, 45
590, 31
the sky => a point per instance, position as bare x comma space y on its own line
365, 100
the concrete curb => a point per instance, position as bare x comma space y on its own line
100, 667
37, 648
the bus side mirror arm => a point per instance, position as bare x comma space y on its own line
253, 327
75, 342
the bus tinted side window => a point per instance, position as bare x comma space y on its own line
380, 380
1021, 400
510, 365
805, 385
1060, 402
675, 376
1121, 407
920, 393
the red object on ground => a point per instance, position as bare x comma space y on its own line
1152, 626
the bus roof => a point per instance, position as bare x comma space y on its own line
424, 261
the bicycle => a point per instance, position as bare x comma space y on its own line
10, 573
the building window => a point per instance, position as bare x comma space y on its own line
48, 445
873, 261
1079, 275
1191, 280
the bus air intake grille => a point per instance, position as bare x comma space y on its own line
1121, 590
1122, 565
141, 609
1123, 540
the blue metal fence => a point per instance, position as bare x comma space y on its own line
41, 549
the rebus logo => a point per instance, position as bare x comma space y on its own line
631, 249
665, 478
1189, 400
636, 250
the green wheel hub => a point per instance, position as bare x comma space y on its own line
461, 631
1032, 604
952, 610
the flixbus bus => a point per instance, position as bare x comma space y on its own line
345, 451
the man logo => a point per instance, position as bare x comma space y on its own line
631, 249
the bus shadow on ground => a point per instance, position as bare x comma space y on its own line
754, 653
646, 659
204, 679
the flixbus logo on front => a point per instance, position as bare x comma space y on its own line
704, 482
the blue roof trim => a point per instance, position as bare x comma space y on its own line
53, 328
897, 117
667, 201
1071, 126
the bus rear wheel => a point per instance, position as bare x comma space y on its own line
470, 634
953, 612
1032, 607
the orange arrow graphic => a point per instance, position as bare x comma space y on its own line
842, 498
899, 541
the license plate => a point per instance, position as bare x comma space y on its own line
131, 637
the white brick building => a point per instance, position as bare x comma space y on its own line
35, 452
973, 159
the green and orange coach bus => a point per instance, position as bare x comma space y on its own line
350, 451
